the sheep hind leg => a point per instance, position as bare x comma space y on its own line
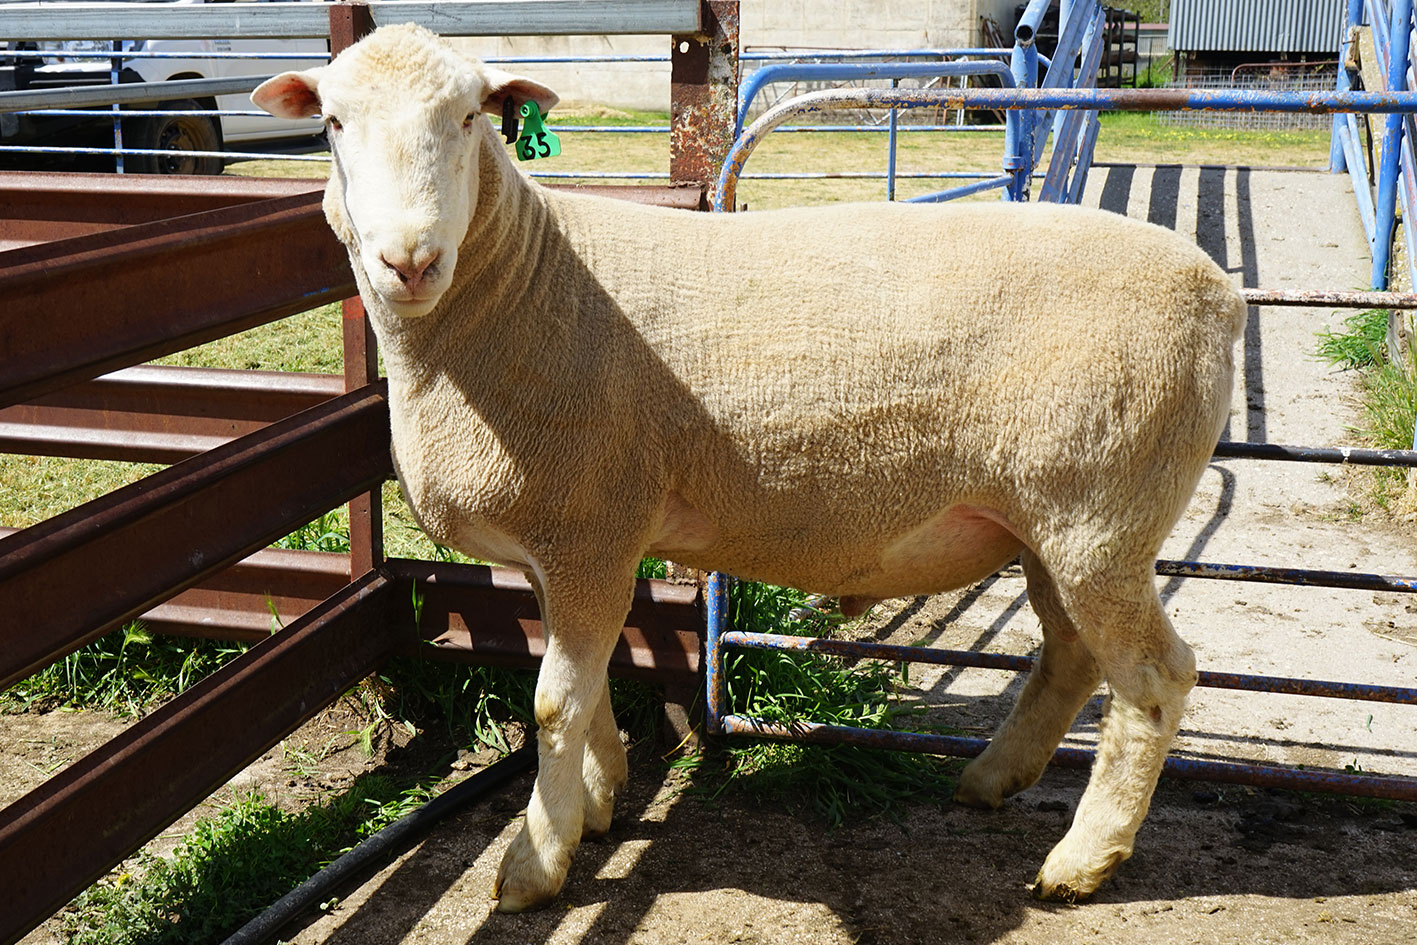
1149, 671
604, 770
569, 689
1062, 680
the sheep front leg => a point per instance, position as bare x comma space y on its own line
605, 768
1149, 671
572, 702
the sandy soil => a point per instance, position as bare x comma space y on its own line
1214, 863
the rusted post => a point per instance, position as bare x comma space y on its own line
366, 512
349, 23
703, 90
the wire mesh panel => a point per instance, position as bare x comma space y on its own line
1260, 77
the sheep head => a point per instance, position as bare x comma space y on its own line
403, 111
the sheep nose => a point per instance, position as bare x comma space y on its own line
410, 269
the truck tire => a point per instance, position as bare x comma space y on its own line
176, 134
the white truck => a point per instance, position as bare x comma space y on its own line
178, 134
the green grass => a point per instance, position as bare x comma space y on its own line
1388, 390
230, 867
1361, 343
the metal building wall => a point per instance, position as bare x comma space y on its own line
1256, 25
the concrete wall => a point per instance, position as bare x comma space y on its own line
766, 24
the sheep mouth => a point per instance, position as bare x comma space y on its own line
409, 304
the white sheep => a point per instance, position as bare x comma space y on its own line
866, 401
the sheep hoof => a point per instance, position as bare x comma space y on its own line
1061, 892
1068, 878
522, 883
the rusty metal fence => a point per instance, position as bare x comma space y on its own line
100, 274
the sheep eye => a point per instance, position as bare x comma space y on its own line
335, 124
467, 122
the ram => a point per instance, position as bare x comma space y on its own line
866, 401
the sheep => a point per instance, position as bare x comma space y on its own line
865, 401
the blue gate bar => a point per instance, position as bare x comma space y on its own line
893, 653
1400, 35
1306, 779
715, 622
964, 190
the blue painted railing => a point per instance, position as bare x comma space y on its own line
1393, 186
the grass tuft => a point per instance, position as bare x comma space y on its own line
126, 672
1362, 342
1389, 395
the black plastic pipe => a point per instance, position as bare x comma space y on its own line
386, 842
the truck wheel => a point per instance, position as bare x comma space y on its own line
175, 134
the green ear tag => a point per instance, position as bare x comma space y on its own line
536, 141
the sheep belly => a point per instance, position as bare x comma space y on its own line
959, 546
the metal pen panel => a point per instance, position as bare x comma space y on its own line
133, 548
70, 830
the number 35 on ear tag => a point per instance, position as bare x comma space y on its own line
536, 141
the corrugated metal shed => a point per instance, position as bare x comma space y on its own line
1256, 25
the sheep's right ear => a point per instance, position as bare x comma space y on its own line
290, 94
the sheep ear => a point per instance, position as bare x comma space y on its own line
499, 85
290, 94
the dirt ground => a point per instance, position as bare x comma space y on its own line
1214, 863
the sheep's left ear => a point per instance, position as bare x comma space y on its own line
290, 94
499, 86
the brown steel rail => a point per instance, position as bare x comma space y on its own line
41, 207
160, 287
158, 414
662, 640
67, 580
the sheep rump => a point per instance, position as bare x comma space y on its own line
859, 400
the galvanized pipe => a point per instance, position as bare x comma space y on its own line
850, 72
1306, 779
1024, 99
125, 94
299, 20
866, 649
